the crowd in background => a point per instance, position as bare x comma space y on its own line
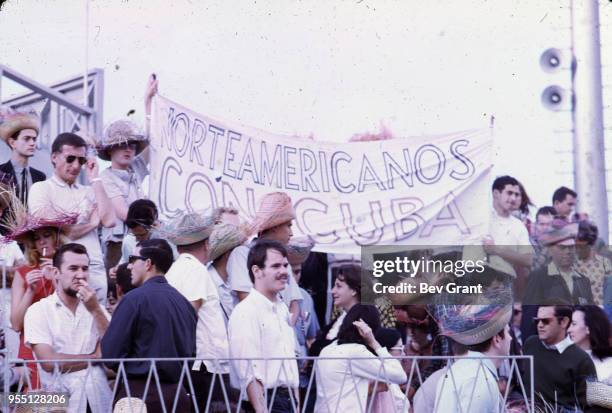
93, 274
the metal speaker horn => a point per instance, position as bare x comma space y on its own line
552, 60
555, 98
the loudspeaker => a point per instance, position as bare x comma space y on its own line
556, 98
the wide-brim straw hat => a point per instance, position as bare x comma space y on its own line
19, 222
12, 122
299, 249
470, 324
274, 209
187, 229
225, 237
118, 133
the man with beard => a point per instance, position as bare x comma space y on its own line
69, 325
20, 131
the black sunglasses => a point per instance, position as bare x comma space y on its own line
72, 158
132, 258
545, 321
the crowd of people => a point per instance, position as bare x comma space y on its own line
94, 275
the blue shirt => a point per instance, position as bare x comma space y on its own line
153, 320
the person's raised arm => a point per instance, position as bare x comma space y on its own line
22, 296
106, 211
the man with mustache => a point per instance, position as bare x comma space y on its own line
259, 328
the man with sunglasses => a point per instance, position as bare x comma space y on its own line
122, 144
153, 320
560, 367
62, 193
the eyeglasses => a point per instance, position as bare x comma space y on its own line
133, 258
545, 321
71, 158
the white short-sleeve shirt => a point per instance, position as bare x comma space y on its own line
49, 321
54, 195
191, 278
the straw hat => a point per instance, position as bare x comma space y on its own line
473, 324
120, 132
274, 209
19, 222
13, 121
130, 405
189, 228
225, 237
298, 250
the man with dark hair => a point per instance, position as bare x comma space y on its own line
564, 202
190, 276
69, 325
258, 328
20, 131
153, 320
543, 221
470, 384
273, 221
560, 367
62, 193
142, 223
508, 243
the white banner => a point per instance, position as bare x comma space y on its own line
422, 190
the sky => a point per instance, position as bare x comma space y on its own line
330, 69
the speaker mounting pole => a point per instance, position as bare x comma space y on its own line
587, 114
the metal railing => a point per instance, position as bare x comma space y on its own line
120, 382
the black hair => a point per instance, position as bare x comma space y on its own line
525, 200
387, 337
588, 232
500, 182
600, 331
546, 210
258, 253
486, 345
124, 278
69, 139
70, 247
561, 193
351, 275
159, 252
141, 212
348, 333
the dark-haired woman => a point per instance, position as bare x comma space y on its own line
590, 330
346, 367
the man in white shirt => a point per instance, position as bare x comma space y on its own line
471, 383
508, 243
189, 275
69, 325
62, 193
273, 221
259, 328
